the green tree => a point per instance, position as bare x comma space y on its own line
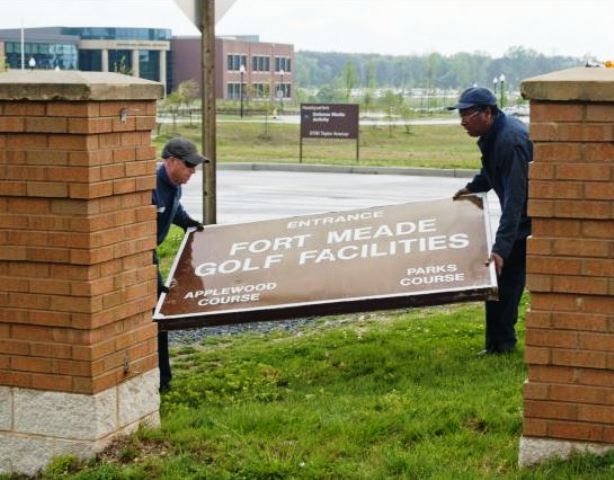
458, 71
406, 114
371, 82
328, 94
350, 79
172, 104
391, 103
122, 66
188, 92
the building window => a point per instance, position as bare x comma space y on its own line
286, 88
261, 90
233, 90
46, 55
121, 33
120, 61
261, 63
90, 60
149, 64
283, 63
234, 62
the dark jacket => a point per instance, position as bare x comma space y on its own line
166, 199
506, 153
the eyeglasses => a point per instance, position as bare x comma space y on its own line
469, 113
187, 165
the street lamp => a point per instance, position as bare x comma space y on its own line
242, 72
495, 81
502, 82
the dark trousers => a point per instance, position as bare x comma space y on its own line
502, 315
164, 362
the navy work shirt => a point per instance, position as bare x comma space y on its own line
506, 153
166, 198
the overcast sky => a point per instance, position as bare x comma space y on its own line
563, 27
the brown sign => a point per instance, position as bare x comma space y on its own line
395, 256
328, 120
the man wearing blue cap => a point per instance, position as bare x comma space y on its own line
506, 153
180, 161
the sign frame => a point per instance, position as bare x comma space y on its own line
333, 306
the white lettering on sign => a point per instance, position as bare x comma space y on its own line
432, 274
232, 266
370, 250
233, 294
433, 279
340, 218
372, 232
233, 289
352, 244
278, 243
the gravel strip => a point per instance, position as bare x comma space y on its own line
196, 335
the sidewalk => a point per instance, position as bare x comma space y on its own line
308, 167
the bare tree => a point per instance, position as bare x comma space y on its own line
188, 92
172, 104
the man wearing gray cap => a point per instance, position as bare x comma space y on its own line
506, 153
180, 161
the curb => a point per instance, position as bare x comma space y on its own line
302, 167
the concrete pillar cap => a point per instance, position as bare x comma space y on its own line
590, 84
73, 85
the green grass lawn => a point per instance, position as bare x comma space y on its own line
397, 395
432, 146
385, 395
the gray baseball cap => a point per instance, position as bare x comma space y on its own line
183, 149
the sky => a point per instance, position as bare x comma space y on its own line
398, 27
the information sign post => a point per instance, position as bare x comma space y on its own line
329, 121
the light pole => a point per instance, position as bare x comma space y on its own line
502, 82
495, 81
242, 72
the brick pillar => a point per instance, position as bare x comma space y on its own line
569, 394
78, 353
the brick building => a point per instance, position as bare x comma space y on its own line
245, 66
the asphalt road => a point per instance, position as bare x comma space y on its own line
247, 196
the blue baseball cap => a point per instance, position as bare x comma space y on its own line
474, 97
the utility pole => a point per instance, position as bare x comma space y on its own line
207, 28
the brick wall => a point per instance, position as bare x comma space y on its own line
76, 235
569, 394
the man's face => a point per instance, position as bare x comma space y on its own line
476, 121
178, 171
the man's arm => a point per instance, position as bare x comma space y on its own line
479, 183
183, 220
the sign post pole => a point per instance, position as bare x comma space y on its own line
207, 28
300, 149
329, 121
357, 145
